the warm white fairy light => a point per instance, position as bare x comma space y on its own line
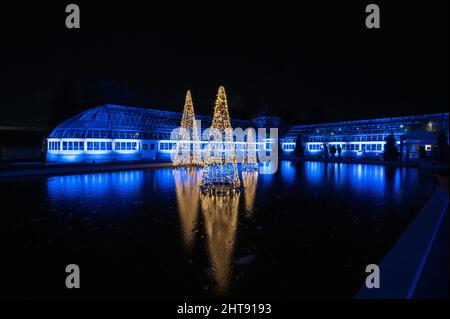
250, 163
185, 155
220, 174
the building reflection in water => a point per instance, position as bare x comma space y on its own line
220, 214
187, 187
97, 189
249, 181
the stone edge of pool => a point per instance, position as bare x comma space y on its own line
402, 268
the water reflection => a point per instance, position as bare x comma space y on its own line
187, 187
96, 189
288, 172
220, 214
154, 194
250, 182
353, 178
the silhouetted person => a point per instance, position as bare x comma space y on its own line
422, 152
442, 146
339, 151
299, 151
391, 153
325, 151
333, 151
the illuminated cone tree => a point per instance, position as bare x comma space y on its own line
250, 163
220, 174
188, 148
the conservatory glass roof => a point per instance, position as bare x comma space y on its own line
116, 121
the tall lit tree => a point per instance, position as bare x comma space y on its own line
188, 148
250, 162
220, 173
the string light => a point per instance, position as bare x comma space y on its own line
187, 152
220, 174
250, 163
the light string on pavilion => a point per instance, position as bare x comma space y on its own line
188, 152
220, 173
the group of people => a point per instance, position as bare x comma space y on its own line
332, 150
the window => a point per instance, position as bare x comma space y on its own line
152, 146
123, 145
374, 147
64, 146
378, 147
75, 146
96, 146
128, 145
134, 146
145, 146
81, 146
109, 146
90, 146
102, 146
356, 147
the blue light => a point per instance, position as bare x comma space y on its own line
96, 190
288, 147
288, 171
358, 178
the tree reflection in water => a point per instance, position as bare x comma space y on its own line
249, 181
220, 214
187, 187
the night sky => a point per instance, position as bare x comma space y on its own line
307, 63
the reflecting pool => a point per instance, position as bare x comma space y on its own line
307, 231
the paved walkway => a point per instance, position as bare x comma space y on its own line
417, 265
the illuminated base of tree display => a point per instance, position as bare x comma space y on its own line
187, 163
250, 167
220, 179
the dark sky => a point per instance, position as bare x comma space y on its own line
308, 63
